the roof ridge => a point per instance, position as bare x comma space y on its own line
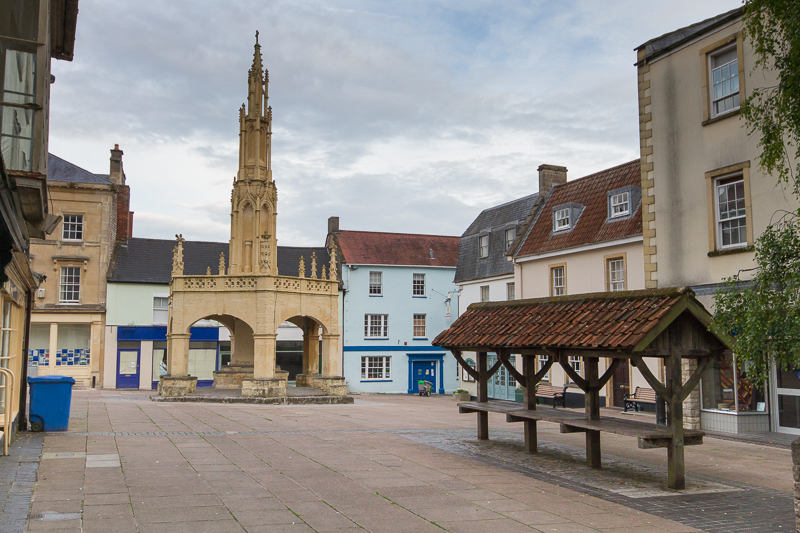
598, 173
396, 233
617, 295
508, 203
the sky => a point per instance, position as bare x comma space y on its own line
401, 116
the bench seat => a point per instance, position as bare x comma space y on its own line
558, 394
649, 435
640, 395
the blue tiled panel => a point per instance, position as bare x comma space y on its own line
39, 357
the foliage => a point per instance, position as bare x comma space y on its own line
760, 306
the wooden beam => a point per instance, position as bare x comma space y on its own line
595, 352
529, 401
495, 367
660, 389
503, 356
609, 372
592, 408
676, 466
542, 372
687, 388
483, 396
579, 381
469, 370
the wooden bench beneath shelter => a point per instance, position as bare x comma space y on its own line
669, 324
639, 396
557, 394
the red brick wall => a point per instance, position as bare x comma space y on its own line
124, 217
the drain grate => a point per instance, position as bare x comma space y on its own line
55, 516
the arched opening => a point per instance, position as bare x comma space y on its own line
300, 348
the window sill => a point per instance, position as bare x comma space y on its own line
420, 338
376, 381
736, 413
728, 114
418, 296
729, 251
376, 338
376, 295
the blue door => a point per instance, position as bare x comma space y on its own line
127, 369
422, 370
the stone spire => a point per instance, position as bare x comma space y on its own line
254, 199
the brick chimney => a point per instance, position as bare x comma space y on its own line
124, 214
116, 174
549, 177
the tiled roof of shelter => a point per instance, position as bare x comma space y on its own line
60, 170
378, 248
150, 260
616, 320
592, 224
492, 221
668, 41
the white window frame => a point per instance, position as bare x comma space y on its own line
483, 241
484, 293
727, 181
160, 308
620, 204
557, 289
378, 365
418, 285
542, 360
69, 289
510, 234
510, 291
371, 322
561, 219
376, 283
734, 95
72, 227
419, 327
577, 365
616, 276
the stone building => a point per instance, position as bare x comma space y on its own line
69, 313
705, 200
32, 33
246, 293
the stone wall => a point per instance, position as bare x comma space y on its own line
691, 406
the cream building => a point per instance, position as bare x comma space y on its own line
248, 295
69, 311
705, 200
585, 237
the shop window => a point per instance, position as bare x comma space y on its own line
159, 360
39, 345
72, 345
5, 345
465, 377
202, 359
726, 388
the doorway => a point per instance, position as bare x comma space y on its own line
502, 385
621, 383
128, 368
422, 370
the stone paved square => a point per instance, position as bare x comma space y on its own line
386, 463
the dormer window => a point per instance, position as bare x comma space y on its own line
561, 219
484, 244
620, 204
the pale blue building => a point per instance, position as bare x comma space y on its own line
397, 295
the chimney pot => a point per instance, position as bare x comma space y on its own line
550, 176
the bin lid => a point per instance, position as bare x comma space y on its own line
52, 379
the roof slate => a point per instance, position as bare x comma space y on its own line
593, 225
378, 248
61, 170
493, 221
668, 41
617, 320
150, 260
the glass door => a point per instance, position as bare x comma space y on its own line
787, 393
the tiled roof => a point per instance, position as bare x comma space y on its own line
493, 221
593, 225
60, 170
617, 320
377, 248
668, 41
150, 260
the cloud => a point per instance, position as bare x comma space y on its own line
408, 116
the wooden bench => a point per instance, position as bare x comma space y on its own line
640, 395
649, 435
556, 393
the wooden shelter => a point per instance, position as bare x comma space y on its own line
665, 323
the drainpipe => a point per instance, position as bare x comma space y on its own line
22, 419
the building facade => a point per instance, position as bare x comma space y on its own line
69, 313
585, 238
138, 309
397, 295
484, 274
706, 201
32, 33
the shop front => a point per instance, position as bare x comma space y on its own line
730, 403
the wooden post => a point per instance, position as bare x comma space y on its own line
529, 401
592, 406
483, 396
676, 467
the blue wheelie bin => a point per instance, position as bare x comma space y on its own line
50, 399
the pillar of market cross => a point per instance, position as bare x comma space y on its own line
248, 296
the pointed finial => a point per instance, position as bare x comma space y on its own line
208, 271
324, 273
222, 263
256, 36
313, 264
302, 267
